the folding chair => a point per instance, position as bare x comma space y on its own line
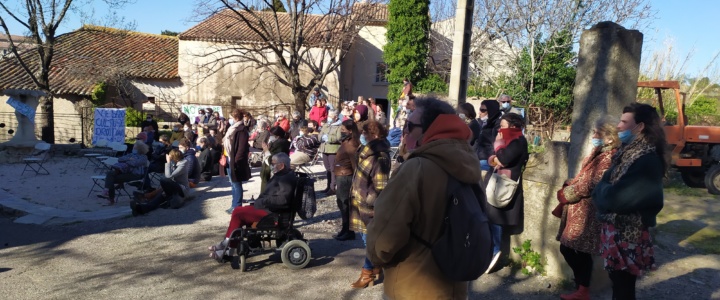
394, 153
138, 183
36, 160
305, 168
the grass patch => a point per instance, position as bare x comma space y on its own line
679, 188
706, 240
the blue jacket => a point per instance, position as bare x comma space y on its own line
193, 166
394, 136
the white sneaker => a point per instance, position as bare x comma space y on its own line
493, 262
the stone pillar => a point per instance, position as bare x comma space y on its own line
461, 52
25, 131
606, 81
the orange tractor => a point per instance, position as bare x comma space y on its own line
695, 150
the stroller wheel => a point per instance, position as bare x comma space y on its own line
295, 254
238, 262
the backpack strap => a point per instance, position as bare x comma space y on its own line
452, 185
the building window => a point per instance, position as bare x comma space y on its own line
381, 72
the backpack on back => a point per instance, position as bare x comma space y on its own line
464, 249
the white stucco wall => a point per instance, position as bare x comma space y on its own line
213, 76
361, 62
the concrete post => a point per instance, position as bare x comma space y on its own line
461, 52
24, 135
607, 72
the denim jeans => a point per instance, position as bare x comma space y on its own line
368, 265
496, 231
236, 188
484, 165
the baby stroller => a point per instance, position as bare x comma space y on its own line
276, 227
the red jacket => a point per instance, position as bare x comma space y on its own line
284, 124
318, 113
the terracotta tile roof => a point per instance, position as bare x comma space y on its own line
228, 26
84, 56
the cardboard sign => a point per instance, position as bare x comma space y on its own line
22, 108
109, 125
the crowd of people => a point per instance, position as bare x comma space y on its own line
393, 201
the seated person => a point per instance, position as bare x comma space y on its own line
128, 168
395, 134
276, 198
306, 146
177, 134
188, 152
174, 183
206, 158
157, 159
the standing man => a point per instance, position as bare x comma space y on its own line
415, 200
506, 106
152, 123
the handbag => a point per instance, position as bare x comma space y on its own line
500, 189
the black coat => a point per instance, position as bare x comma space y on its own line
279, 194
488, 133
514, 157
240, 151
475, 128
279, 145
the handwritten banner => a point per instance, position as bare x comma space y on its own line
109, 125
22, 108
192, 109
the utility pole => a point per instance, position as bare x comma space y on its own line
461, 52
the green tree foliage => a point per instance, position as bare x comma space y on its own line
133, 117
431, 84
99, 92
703, 111
407, 45
549, 87
170, 33
277, 6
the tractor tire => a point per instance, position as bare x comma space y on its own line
712, 180
693, 177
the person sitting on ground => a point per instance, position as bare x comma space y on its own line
276, 198
193, 164
128, 168
306, 146
174, 183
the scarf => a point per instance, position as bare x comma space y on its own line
508, 135
627, 155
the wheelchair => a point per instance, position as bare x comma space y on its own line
274, 228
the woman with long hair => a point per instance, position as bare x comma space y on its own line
579, 232
629, 197
175, 183
370, 178
345, 165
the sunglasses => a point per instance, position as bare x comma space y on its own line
483, 110
411, 125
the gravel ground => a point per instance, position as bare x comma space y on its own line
163, 256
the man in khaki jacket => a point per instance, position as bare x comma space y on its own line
415, 200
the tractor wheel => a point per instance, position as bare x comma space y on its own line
693, 177
712, 180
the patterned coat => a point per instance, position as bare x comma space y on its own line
370, 178
579, 226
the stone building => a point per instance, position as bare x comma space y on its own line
139, 70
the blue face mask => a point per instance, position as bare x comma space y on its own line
626, 136
505, 105
231, 121
363, 141
597, 142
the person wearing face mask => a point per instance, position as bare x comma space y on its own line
297, 122
194, 170
277, 143
183, 119
629, 196
177, 133
511, 155
490, 118
345, 165
276, 198
330, 137
152, 123
579, 231
236, 149
318, 112
371, 177
506, 106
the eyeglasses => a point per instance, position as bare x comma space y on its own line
483, 110
411, 125
504, 101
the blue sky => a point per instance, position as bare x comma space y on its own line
692, 24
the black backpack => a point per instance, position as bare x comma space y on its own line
464, 249
305, 202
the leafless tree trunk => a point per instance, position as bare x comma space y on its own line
317, 38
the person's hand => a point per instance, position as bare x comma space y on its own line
167, 158
499, 136
265, 146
